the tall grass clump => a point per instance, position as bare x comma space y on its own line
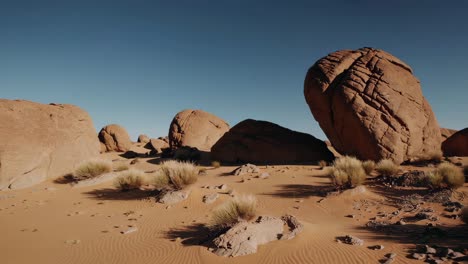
446, 176
121, 167
387, 167
240, 208
91, 168
129, 180
176, 175
368, 166
347, 172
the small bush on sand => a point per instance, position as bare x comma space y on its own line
368, 166
121, 167
446, 175
91, 168
347, 172
464, 215
322, 164
387, 167
176, 175
240, 208
215, 164
129, 180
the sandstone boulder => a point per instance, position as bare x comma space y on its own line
39, 141
447, 132
264, 142
370, 105
457, 144
115, 138
157, 144
196, 128
143, 139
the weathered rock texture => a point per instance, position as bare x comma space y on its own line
196, 128
39, 141
115, 138
264, 142
457, 144
244, 238
370, 105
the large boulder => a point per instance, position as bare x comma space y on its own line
115, 138
457, 144
446, 132
370, 105
157, 144
264, 142
39, 141
196, 128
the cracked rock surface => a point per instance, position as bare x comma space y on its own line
370, 105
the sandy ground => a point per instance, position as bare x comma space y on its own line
56, 223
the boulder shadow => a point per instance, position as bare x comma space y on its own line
302, 191
194, 235
114, 194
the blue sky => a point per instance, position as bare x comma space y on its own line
137, 63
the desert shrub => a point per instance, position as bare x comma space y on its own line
322, 164
91, 168
176, 175
129, 180
446, 175
240, 208
215, 164
464, 215
387, 167
368, 166
347, 172
121, 167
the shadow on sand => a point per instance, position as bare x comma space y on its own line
194, 235
113, 194
302, 191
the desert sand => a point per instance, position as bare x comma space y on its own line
54, 222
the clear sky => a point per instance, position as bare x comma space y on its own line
138, 63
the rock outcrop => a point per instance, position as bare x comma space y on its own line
39, 141
143, 139
244, 238
264, 142
370, 105
115, 138
196, 128
457, 144
157, 144
447, 132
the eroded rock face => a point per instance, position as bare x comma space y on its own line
115, 138
196, 128
370, 105
244, 238
264, 142
457, 144
39, 141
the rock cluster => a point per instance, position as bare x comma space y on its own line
115, 138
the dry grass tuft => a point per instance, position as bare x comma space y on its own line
322, 164
240, 208
176, 175
215, 164
368, 166
446, 175
129, 180
387, 167
91, 168
121, 167
347, 172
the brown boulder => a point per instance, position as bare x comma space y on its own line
143, 139
264, 142
370, 105
39, 141
447, 132
115, 138
196, 128
157, 144
457, 144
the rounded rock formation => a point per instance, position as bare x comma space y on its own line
143, 139
370, 105
115, 138
196, 128
457, 144
264, 142
39, 141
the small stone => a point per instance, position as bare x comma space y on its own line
418, 256
377, 247
430, 250
223, 187
73, 241
350, 216
351, 240
264, 175
130, 230
401, 222
210, 198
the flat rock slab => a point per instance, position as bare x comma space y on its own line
245, 237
